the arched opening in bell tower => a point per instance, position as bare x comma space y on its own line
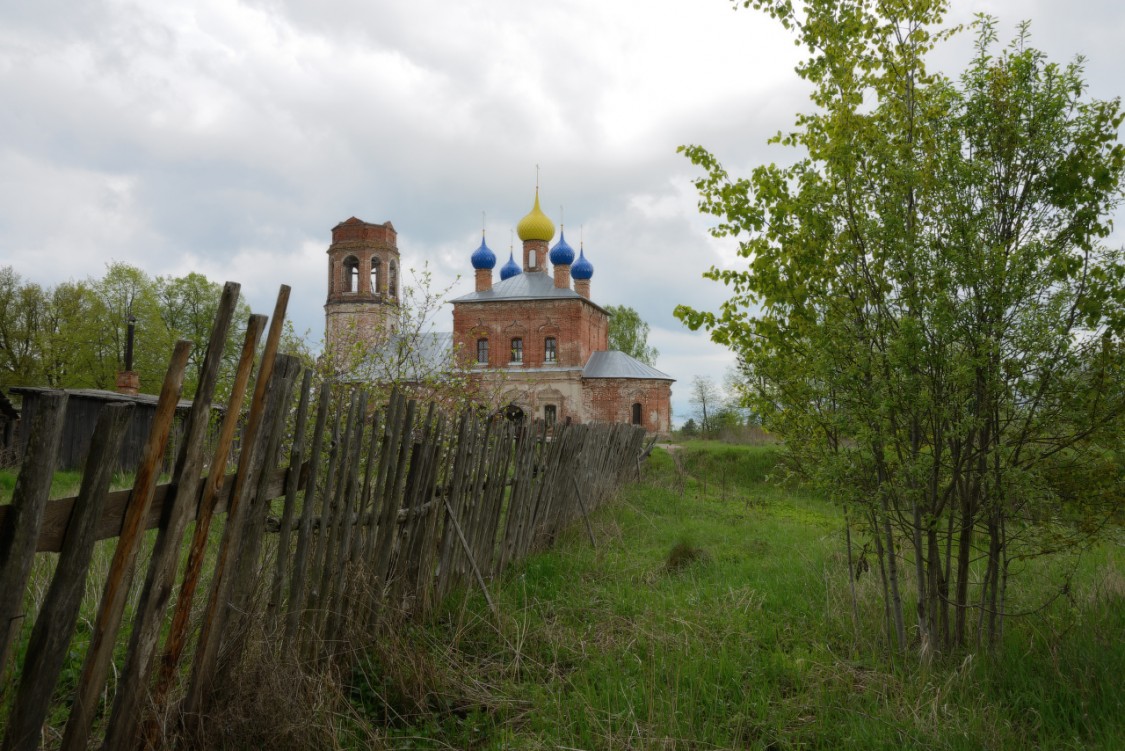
351, 274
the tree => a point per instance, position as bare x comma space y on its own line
936, 318
188, 306
73, 336
707, 400
22, 308
628, 333
410, 353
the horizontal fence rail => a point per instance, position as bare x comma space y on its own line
340, 515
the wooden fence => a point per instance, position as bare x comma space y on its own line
339, 513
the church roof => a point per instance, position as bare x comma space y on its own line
614, 364
533, 285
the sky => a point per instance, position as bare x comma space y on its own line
228, 138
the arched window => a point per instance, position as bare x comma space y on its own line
375, 269
550, 414
482, 351
637, 413
550, 350
517, 349
392, 280
351, 274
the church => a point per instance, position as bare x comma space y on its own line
535, 334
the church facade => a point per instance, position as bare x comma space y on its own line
535, 335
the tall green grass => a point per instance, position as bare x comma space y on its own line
63, 485
746, 641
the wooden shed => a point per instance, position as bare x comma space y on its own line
82, 409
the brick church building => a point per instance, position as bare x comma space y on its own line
535, 334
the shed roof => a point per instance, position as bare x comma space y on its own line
100, 395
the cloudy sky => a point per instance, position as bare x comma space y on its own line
229, 137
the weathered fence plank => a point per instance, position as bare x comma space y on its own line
160, 579
247, 564
392, 495
176, 641
296, 457
120, 577
50, 638
209, 638
297, 590
20, 529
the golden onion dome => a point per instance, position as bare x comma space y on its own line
536, 225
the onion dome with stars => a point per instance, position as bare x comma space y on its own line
483, 257
510, 269
536, 225
582, 268
562, 254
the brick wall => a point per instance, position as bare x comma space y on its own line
578, 327
612, 400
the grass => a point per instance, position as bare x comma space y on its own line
63, 485
714, 613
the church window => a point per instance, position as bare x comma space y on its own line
482, 351
375, 271
517, 349
550, 414
351, 274
392, 280
550, 350
637, 413
534, 259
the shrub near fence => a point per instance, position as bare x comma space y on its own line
340, 514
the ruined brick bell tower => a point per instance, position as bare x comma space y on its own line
363, 287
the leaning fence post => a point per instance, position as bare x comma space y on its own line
208, 646
110, 611
46, 652
585, 513
123, 725
20, 531
176, 640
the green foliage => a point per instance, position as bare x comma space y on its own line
749, 646
74, 335
927, 315
408, 353
628, 333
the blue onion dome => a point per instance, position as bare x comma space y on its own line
510, 269
562, 254
483, 257
582, 269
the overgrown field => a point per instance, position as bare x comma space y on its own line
714, 613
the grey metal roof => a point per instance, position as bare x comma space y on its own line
530, 285
615, 364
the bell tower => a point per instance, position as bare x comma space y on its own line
363, 287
